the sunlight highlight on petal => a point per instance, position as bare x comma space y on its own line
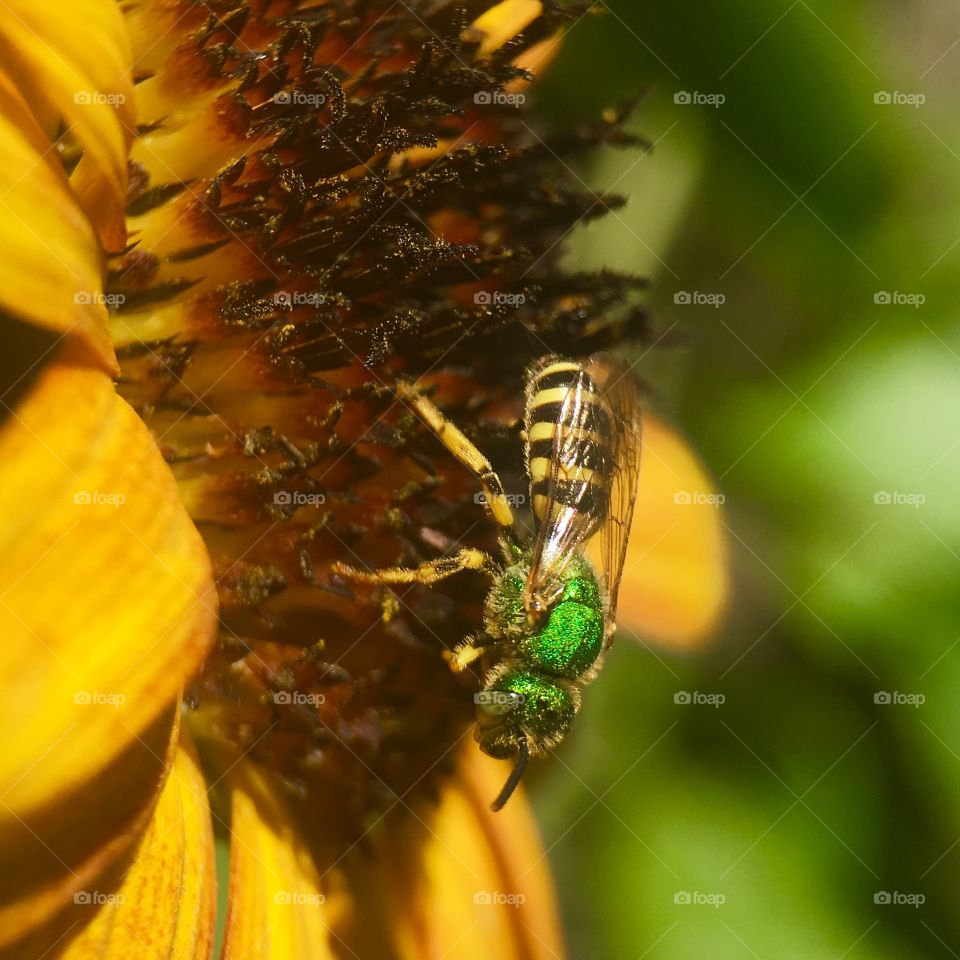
495, 27
52, 267
472, 883
106, 601
166, 904
277, 909
77, 65
62, 855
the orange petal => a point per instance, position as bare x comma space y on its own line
455, 879
535, 60
501, 23
487, 882
78, 842
106, 600
73, 61
166, 904
276, 908
52, 269
675, 578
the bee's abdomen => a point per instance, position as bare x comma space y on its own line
590, 499
574, 450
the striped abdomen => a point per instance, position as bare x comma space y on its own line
568, 426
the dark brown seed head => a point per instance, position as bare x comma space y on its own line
321, 201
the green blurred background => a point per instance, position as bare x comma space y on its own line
800, 800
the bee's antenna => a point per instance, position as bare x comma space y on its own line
523, 755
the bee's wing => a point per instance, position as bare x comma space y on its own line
576, 479
622, 469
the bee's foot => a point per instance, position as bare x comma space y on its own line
465, 654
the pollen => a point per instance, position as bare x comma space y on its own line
323, 201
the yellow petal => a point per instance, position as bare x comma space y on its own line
276, 907
166, 905
73, 60
490, 868
675, 577
52, 269
501, 23
457, 880
535, 60
106, 600
77, 843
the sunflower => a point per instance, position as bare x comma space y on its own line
227, 228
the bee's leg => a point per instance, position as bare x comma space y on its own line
465, 653
426, 573
453, 438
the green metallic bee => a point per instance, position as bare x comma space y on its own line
550, 613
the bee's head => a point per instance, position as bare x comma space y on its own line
499, 715
522, 703
520, 712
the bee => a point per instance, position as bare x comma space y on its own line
550, 613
